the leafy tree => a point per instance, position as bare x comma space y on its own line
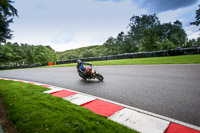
138, 24
7, 12
6, 9
198, 41
110, 48
173, 32
166, 44
27, 54
5, 32
49, 47
119, 42
177, 34
86, 54
193, 42
149, 41
44, 55
128, 45
71, 54
98, 51
6, 54
16, 54
197, 22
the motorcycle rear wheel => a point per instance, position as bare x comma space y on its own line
99, 77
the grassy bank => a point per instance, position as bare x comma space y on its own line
30, 110
185, 59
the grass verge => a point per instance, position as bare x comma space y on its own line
30, 110
184, 59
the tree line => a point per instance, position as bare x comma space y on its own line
14, 54
146, 33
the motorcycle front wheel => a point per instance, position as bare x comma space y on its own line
83, 77
99, 77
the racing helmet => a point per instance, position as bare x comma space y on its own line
78, 61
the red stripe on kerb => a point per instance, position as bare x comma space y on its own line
44, 86
63, 93
102, 108
175, 128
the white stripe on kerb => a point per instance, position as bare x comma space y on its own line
139, 121
53, 89
79, 99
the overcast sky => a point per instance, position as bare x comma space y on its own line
69, 24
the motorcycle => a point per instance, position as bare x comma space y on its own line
90, 74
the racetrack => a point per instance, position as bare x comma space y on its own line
169, 90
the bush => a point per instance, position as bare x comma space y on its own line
167, 44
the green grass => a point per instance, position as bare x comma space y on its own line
184, 59
30, 110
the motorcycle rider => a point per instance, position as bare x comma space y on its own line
81, 68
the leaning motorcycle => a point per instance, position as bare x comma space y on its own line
90, 74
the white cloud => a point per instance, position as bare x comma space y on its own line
185, 15
71, 24
192, 31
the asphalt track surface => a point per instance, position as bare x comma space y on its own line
169, 90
